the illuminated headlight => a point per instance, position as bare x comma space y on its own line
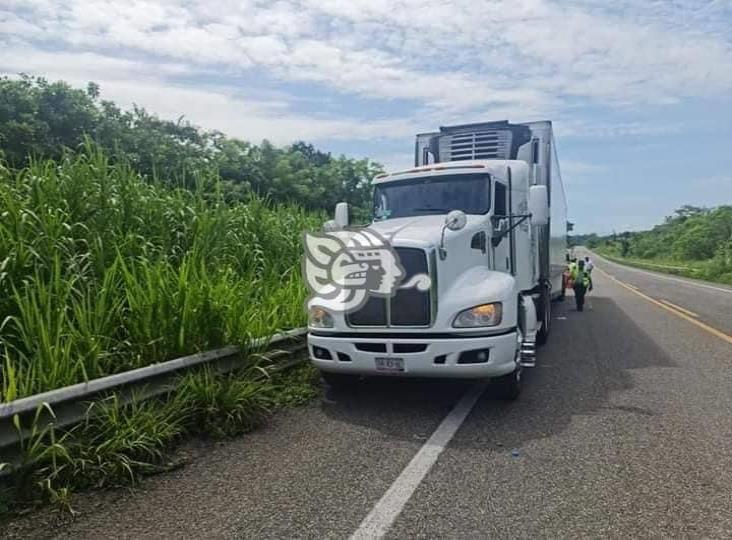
482, 315
319, 318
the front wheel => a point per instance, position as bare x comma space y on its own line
339, 380
508, 387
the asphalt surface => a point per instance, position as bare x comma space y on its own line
708, 302
623, 429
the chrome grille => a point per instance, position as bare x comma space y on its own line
408, 307
411, 307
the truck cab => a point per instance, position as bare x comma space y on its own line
477, 228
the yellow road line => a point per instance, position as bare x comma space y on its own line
682, 310
721, 335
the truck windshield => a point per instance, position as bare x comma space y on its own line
433, 195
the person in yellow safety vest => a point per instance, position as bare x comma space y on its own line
571, 266
582, 283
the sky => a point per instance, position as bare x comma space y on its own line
640, 91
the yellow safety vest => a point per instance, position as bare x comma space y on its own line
577, 274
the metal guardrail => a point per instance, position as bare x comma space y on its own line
69, 403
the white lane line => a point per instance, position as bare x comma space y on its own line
667, 278
385, 512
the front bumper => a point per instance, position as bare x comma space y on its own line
435, 357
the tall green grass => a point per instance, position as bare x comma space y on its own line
102, 271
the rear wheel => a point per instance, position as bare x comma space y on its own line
508, 387
338, 380
545, 307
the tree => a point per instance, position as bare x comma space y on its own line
43, 119
38, 118
685, 212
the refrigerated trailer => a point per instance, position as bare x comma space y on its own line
483, 214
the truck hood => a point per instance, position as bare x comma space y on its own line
420, 230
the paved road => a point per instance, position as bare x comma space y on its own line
625, 428
708, 302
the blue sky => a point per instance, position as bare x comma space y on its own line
640, 90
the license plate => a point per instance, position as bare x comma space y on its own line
394, 365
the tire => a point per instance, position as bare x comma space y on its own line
339, 380
545, 305
508, 387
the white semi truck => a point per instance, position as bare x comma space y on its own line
483, 214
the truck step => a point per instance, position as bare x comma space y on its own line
527, 354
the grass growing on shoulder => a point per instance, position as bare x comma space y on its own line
119, 443
296, 386
225, 405
713, 270
102, 271
114, 445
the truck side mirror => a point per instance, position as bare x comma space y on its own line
341, 214
500, 225
330, 226
500, 229
539, 205
455, 220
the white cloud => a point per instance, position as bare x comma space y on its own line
447, 62
465, 53
393, 162
127, 82
250, 119
84, 66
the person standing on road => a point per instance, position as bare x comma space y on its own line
571, 269
582, 283
588, 264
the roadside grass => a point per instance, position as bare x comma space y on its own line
711, 270
118, 443
103, 271
295, 386
225, 405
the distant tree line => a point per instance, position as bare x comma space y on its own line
700, 237
41, 119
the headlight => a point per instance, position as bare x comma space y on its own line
482, 315
319, 318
